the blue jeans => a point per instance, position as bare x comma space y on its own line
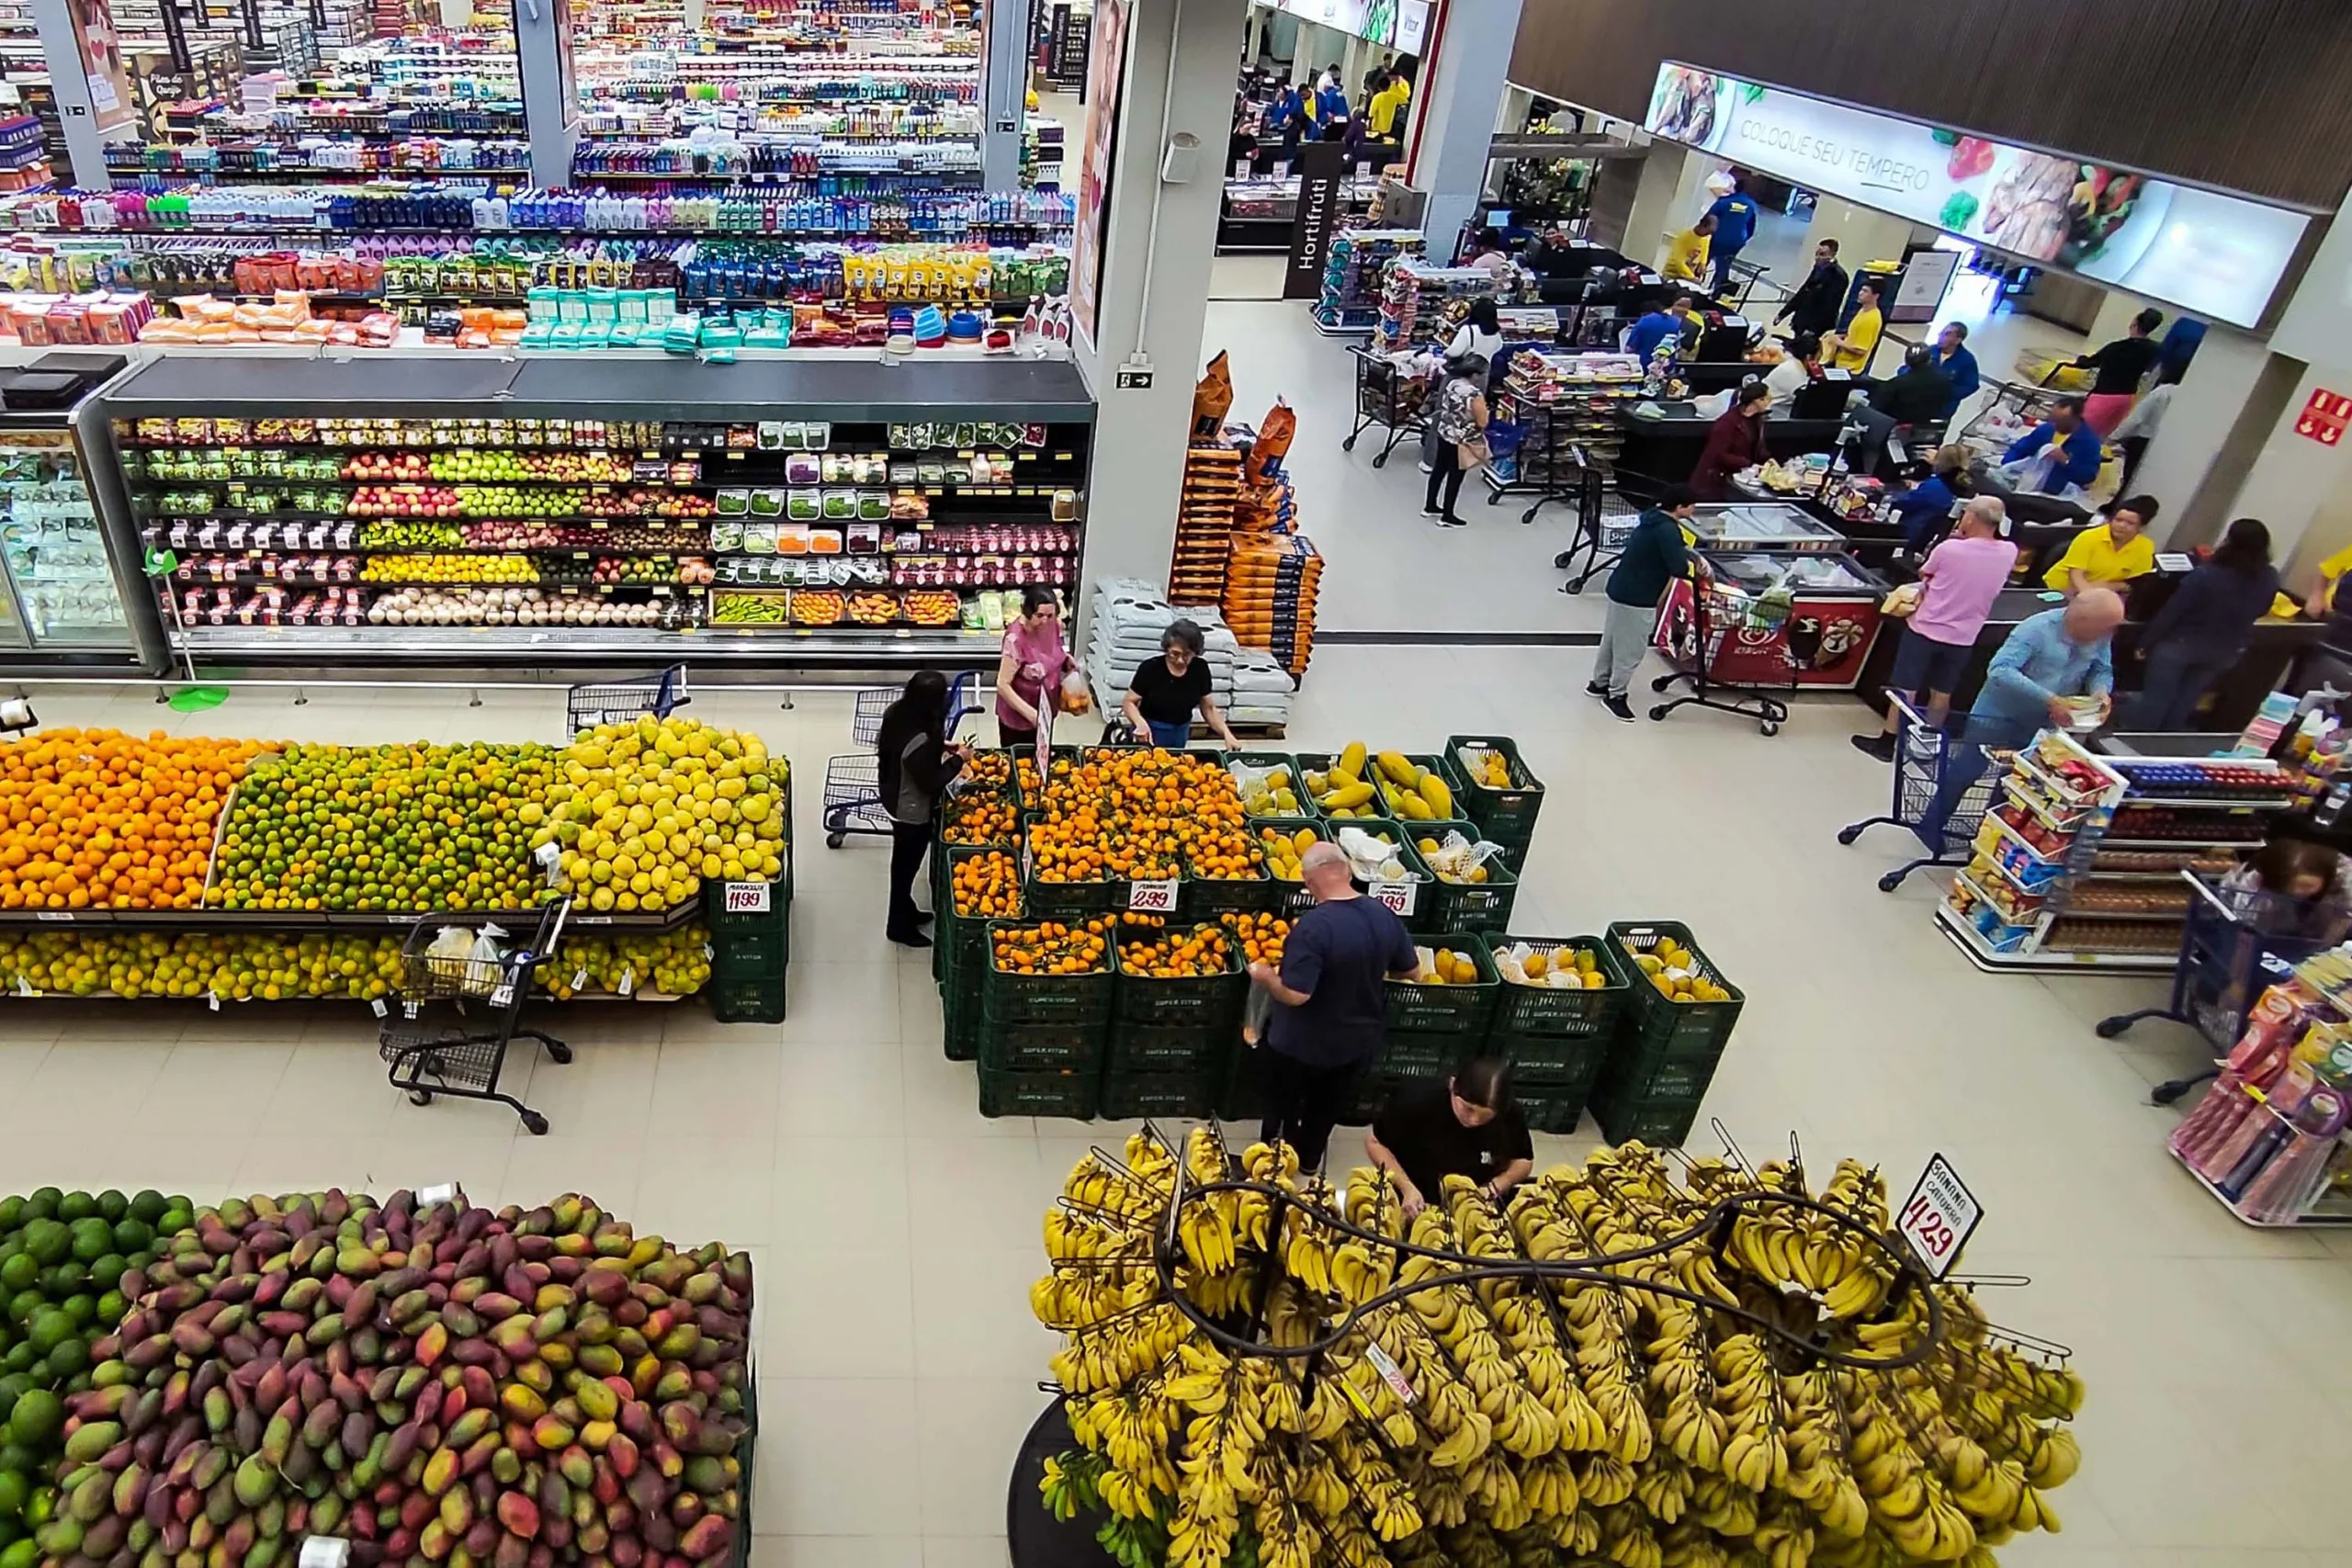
1175, 736
1965, 764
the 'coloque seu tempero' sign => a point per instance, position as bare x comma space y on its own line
2214, 255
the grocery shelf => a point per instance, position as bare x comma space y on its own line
208, 918
712, 644
2311, 1217
1964, 937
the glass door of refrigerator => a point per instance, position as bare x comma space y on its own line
53, 549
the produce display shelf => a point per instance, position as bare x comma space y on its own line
308, 580
577, 552
210, 919
742, 644
1966, 939
2111, 843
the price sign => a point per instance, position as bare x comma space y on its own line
323, 1552
1939, 1217
375, 1005
52, 915
444, 1192
1385, 1365
500, 996
747, 897
1397, 896
1152, 897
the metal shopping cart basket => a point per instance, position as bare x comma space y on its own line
1924, 757
853, 782
449, 1029
1727, 628
621, 702
2238, 942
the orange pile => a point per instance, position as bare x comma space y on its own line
1177, 955
987, 886
1052, 948
994, 769
1262, 935
94, 819
979, 816
1140, 816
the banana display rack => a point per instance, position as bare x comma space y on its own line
1648, 1357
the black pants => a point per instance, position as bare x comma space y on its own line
908, 842
1014, 738
1445, 469
1303, 1102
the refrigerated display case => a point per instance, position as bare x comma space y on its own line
460, 511
63, 600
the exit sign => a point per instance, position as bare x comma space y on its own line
2326, 417
1135, 380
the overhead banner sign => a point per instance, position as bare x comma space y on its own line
2216, 256
1373, 20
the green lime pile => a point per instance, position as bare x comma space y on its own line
63, 1256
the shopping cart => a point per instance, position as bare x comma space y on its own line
1924, 755
622, 702
453, 1019
2236, 943
1726, 627
1389, 395
854, 781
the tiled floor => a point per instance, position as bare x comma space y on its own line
896, 1230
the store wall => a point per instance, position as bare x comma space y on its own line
2246, 95
1139, 433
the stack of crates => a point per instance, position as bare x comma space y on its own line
1665, 1052
1170, 1041
1505, 816
1556, 1038
751, 946
1432, 1029
1483, 906
1041, 1037
959, 951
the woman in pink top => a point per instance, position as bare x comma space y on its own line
1961, 576
1035, 661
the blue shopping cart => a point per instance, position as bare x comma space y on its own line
853, 782
1924, 758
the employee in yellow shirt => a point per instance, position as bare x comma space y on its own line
1389, 107
1860, 336
2109, 553
1686, 254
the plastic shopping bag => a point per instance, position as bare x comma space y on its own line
1371, 859
1457, 857
1076, 696
486, 961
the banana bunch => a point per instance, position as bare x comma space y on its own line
1067, 1487
1664, 1488
1272, 1166
1074, 1296
1692, 1545
1445, 1505
1783, 1538
1130, 1541
1493, 1488
1131, 1430
1825, 1488
1308, 1244
1116, 1350
1473, 1546
1139, 1193
1626, 1538
1549, 1485
1723, 1505
1694, 1432
1385, 1497
1286, 1537
1605, 1480
1370, 1394
1694, 1270
1316, 1483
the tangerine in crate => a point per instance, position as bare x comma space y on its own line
1050, 947
1262, 935
979, 816
987, 886
1204, 950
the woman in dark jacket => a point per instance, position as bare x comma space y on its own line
1927, 509
917, 762
2203, 628
1734, 441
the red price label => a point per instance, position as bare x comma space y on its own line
1939, 1217
1397, 896
747, 897
1152, 897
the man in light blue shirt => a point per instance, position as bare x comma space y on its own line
2050, 657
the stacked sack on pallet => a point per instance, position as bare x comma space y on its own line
1269, 589
1212, 485
1262, 690
1128, 618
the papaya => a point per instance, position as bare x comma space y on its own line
1304, 840
1395, 767
1440, 798
1348, 796
1414, 808
1350, 761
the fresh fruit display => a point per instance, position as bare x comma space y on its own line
409, 500
415, 607
1445, 966
1262, 935
1551, 1420
387, 827
1285, 848
673, 963
987, 886
1678, 973
579, 468
635, 569
1455, 858
435, 1382
507, 501
870, 609
1164, 954
401, 467
977, 817
1488, 766
1268, 792
934, 607
747, 609
1340, 790
1052, 948
95, 818
449, 569
1559, 967
239, 966
61, 1258
1139, 815
992, 769
1371, 853
646, 811
1413, 792
645, 503
413, 537
817, 607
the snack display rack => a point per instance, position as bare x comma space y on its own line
1421, 303
2051, 806
1349, 303
342, 514
1566, 406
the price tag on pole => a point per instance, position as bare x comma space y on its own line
1152, 897
1399, 895
1939, 1217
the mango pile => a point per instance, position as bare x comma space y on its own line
1677, 972
1285, 850
435, 1384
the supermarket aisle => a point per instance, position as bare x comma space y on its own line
1391, 568
896, 1232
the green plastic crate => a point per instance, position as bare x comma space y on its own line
1291, 899
1206, 898
1549, 1061
1064, 1094
1550, 1107
1642, 1076
1660, 1123
1500, 811
1066, 901
960, 1026
1207, 1000
1658, 1027
1449, 1009
1374, 1089
1419, 1056
1320, 762
758, 999
1306, 807
1419, 917
1179, 1048
1468, 906
1039, 1047
1052, 1000
1127, 1096
1549, 1009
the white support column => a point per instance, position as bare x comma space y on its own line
1140, 434
60, 52
1465, 83
1004, 94
550, 99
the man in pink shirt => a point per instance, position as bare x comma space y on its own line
1961, 577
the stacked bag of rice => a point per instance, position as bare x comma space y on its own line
1123, 628
1262, 690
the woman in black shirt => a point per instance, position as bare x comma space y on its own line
2119, 367
1166, 690
1465, 1126
916, 763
